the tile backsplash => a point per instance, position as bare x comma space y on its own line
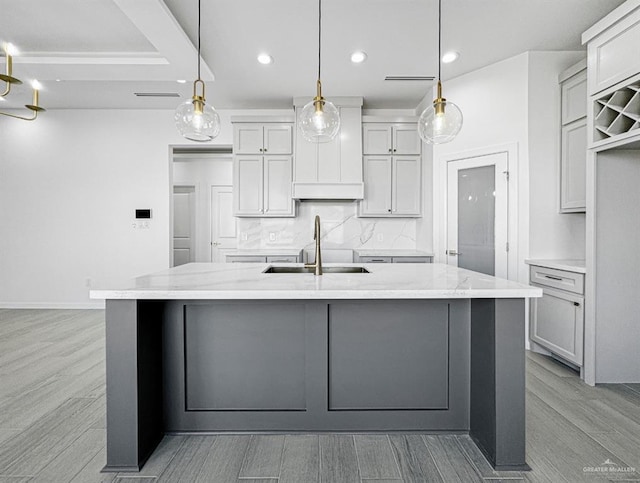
340, 228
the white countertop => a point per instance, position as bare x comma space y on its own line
245, 281
390, 252
576, 266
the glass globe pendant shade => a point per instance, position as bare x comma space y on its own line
196, 120
440, 123
319, 121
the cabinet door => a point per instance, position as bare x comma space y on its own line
377, 186
406, 139
247, 185
574, 98
406, 186
573, 165
376, 138
557, 323
278, 139
277, 186
247, 138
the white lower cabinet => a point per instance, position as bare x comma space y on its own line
262, 186
392, 186
557, 319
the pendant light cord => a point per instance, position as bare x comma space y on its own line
319, 35
199, 39
439, 38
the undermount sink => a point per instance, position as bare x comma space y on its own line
311, 270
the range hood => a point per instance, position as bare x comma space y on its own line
331, 171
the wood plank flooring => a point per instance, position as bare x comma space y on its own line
52, 404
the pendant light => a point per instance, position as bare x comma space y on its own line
195, 119
441, 122
320, 119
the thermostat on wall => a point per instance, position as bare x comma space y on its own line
143, 214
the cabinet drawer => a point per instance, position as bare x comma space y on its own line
557, 324
411, 260
282, 259
549, 277
375, 259
246, 259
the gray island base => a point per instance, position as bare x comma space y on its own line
425, 364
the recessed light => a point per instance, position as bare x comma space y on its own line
449, 57
265, 59
358, 57
181, 81
58, 80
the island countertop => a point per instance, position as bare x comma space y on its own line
246, 281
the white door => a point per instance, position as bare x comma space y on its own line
406, 139
477, 214
184, 225
278, 139
223, 223
377, 185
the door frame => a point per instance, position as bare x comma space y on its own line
186, 151
440, 200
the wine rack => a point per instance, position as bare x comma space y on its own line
617, 113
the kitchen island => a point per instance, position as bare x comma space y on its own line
228, 347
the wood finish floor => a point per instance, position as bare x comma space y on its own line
52, 420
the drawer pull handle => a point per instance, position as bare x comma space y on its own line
554, 278
577, 304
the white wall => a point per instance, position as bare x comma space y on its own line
493, 101
551, 234
517, 101
69, 185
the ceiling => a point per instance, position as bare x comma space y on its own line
98, 53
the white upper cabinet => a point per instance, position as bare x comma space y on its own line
392, 186
614, 47
396, 138
573, 139
331, 170
392, 168
262, 186
257, 138
262, 169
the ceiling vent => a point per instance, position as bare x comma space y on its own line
156, 94
410, 78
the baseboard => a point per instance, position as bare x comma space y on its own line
98, 304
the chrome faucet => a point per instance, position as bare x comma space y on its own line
316, 236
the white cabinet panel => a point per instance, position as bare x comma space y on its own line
573, 140
262, 138
388, 138
574, 98
557, 324
377, 186
278, 139
392, 186
247, 138
573, 166
406, 178
376, 138
277, 186
406, 139
248, 185
614, 55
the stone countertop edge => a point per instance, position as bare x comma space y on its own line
570, 265
231, 281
